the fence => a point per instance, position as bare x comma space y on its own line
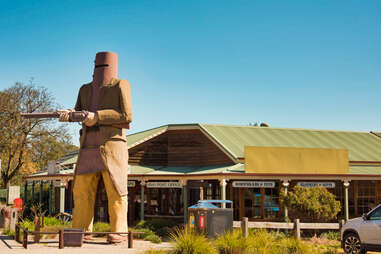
296, 226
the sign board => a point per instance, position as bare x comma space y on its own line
52, 169
131, 184
253, 184
164, 185
293, 160
329, 185
13, 193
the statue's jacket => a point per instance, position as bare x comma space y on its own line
114, 108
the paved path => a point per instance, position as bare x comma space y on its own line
8, 245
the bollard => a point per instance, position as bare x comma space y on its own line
61, 239
37, 230
245, 227
25, 240
17, 233
297, 228
341, 224
130, 239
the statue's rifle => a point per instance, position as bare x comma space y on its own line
74, 116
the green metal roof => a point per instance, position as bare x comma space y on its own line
362, 146
139, 137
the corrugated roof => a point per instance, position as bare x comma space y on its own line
362, 146
142, 136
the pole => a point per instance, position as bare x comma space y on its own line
142, 197
285, 185
185, 199
346, 186
223, 191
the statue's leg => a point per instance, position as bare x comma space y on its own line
84, 194
117, 205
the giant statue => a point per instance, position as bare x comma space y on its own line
103, 150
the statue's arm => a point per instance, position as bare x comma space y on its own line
124, 114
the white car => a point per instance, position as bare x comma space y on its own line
363, 234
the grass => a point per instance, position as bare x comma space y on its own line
187, 241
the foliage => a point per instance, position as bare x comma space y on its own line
331, 235
316, 203
231, 242
153, 239
101, 227
146, 232
26, 145
161, 227
153, 251
187, 241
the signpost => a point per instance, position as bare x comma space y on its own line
13, 193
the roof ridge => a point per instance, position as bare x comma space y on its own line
161, 126
283, 128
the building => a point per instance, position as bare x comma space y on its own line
173, 166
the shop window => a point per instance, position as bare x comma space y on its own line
271, 203
366, 196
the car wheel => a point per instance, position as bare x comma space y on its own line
352, 244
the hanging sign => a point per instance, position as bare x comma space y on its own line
328, 185
253, 184
164, 185
131, 184
13, 193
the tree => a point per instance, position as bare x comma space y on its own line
27, 144
316, 203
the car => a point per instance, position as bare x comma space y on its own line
362, 234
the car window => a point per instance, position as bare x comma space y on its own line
376, 214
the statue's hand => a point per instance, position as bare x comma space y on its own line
64, 115
91, 119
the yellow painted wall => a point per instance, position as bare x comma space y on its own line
292, 160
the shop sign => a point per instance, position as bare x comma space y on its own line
202, 221
131, 184
253, 184
163, 185
328, 185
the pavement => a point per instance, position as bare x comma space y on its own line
98, 246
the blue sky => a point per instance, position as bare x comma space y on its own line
297, 64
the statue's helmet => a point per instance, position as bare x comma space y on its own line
105, 67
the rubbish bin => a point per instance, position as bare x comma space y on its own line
209, 218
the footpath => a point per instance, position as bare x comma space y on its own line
98, 246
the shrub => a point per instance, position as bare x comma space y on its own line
146, 232
317, 203
101, 227
153, 239
161, 227
331, 235
231, 243
261, 241
152, 251
187, 241
293, 246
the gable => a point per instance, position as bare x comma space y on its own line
178, 148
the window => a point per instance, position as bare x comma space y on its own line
376, 214
366, 196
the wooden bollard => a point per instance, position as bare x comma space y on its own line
341, 223
25, 239
297, 228
37, 228
61, 239
130, 239
245, 227
17, 233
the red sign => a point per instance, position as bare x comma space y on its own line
202, 221
18, 203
